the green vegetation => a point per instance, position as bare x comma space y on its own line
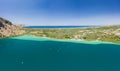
105, 33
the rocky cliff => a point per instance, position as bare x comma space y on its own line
8, 29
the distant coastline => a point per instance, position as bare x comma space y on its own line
32, 37
58, 26
110, 33
90, 33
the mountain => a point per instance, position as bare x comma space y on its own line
8, 29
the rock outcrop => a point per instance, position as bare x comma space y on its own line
8, 29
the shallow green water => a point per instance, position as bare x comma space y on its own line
29, 53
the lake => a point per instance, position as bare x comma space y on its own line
30, 53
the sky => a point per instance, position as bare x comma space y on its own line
61, 12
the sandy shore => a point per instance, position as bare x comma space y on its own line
32, 37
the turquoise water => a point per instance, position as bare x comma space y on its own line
29, 53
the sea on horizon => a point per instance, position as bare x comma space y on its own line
57, 26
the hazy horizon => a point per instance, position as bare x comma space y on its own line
61, 12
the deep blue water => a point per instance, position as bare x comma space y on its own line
57, 26
49, 55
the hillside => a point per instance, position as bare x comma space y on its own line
8, 29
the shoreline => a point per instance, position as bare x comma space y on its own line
33, 37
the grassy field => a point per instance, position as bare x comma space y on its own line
105, 33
